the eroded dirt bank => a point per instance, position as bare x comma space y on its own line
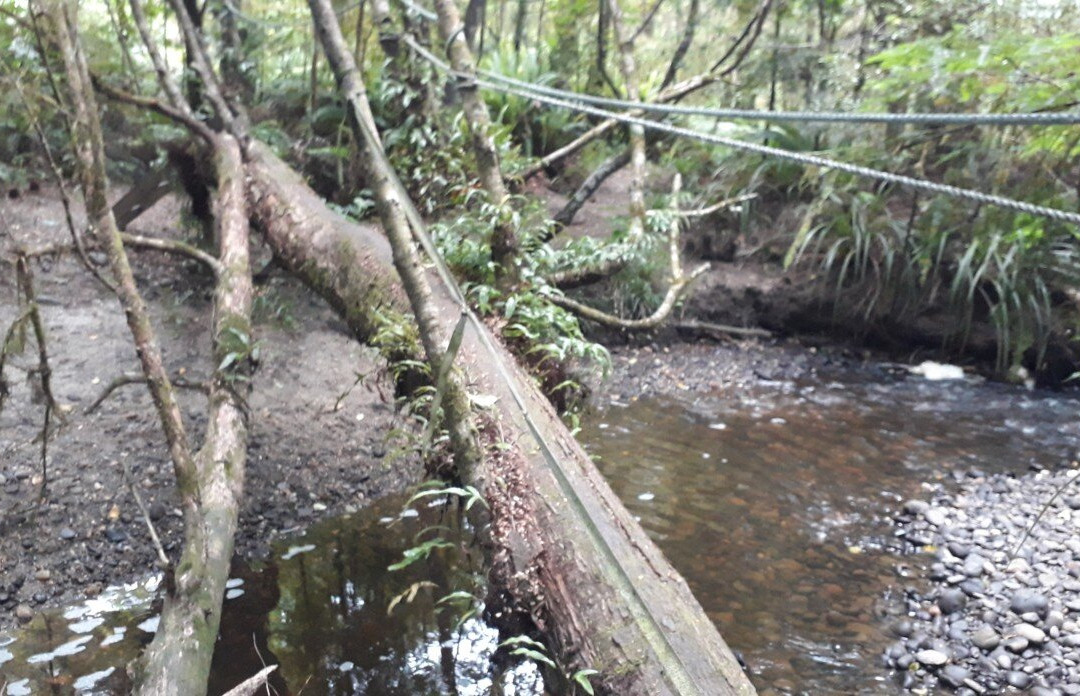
321, 442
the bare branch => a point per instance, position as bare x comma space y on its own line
252, 684
183, 117
647, 21
138, 378
173, 247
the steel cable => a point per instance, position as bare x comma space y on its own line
767, 150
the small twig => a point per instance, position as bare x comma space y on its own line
716, 207
250, 685
165, 563
173, 247
138, 378
360, 376
695, 325
9, 336
1042, 511
26, 283
258, 653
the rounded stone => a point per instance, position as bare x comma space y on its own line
1018, 680
1031, 634
1024, 601
954, 675
931, 658
952, 600
985, 638
24, 613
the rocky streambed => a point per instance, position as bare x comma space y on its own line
1001, 610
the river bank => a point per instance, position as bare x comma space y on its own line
321, 441
1001, 608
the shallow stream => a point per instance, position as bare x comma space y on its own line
774, 500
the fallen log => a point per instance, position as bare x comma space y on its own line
566, 550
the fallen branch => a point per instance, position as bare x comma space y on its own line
587, 275
694, 325
173, 247
672, 295
252, 684
679, 281
133, 378
565, 549
717, 207
564, 217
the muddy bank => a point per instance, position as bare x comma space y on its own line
746, 286
320, 442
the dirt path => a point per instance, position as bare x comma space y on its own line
307, 460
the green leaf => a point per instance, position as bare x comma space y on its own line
419, 553
533, 655
229, 360
582, 678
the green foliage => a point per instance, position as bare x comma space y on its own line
547, 335
418, 553
239, 351
539, 130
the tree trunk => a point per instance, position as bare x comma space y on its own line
210, 483
566, 548
178, 660
474, 20
504, 242
637, 132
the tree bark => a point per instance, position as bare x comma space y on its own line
90, 154
178, 660
504, 241
637, 132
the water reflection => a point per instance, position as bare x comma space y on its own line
318, 609
775, 502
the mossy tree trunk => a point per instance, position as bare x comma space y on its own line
504, 242
209, 483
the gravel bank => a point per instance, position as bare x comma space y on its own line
996, 618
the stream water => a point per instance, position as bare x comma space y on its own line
774, 500
323, 607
